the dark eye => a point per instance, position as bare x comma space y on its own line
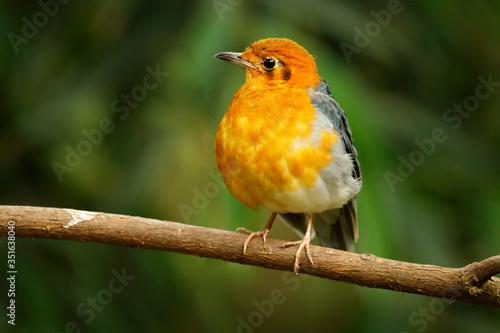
269, 64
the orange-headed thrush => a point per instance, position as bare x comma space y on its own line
285, 144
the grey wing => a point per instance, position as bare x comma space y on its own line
337, 228
323, 99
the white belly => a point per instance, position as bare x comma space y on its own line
334, 187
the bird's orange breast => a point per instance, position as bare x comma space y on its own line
264, 147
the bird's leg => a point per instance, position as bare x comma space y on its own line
262, 233
304, 243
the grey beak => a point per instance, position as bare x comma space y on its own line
235, 58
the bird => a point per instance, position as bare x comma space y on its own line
285, 144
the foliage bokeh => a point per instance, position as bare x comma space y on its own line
396, 88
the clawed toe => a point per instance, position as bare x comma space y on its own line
264, 233
304, 243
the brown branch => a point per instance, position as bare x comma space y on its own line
473, 283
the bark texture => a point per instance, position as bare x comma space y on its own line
474, 283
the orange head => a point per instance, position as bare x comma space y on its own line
276, 62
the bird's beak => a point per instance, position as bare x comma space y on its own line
235, 58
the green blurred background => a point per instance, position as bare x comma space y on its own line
405, 72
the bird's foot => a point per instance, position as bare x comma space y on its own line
304, 243
264, 233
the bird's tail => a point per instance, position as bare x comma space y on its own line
335, 228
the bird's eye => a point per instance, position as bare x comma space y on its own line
269, 63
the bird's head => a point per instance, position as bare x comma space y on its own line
276, 62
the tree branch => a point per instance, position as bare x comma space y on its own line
473, 283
